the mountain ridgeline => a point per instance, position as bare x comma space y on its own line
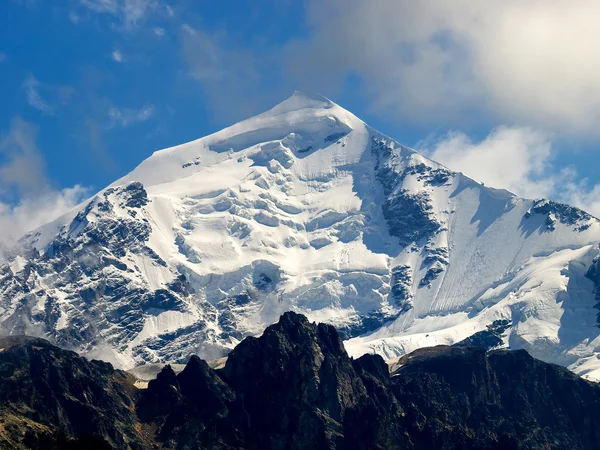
295, 387
306, 208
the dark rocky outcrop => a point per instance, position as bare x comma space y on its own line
296, 388
489, 338
565, 214
408, 216
593, 273
53, 398
463, 397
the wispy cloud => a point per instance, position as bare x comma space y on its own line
37, 94
27, 197
93, 137
131, 13
2, 57
102, 6
74, 17
23, 168
117, 56
229, 74
35, 100
125, 117
135, 11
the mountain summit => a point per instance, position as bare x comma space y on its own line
307, 208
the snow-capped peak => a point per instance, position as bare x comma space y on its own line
300, 100
298, 122
305, 207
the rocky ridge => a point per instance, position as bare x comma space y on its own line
295, 387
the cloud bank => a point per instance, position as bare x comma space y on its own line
519, 159
532, 62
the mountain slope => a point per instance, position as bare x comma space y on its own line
307, 208
295, 387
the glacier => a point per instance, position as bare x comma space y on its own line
306, 208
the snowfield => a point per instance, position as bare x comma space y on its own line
306, 208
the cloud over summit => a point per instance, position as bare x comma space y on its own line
528, 61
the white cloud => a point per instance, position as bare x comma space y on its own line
524, 61
188, 29
27, 198
518, 159
117, 56
30, 213
125, 117
131, 12
31, 86
509, 158
135, 11
158, 31
102, 6
580, 195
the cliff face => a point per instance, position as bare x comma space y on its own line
500, 399
296, 388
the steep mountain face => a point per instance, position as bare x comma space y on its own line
295, 387
306, 208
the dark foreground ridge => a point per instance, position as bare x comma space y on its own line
296, 388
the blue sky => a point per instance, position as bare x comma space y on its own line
504, 91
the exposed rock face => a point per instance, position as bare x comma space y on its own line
85, 282
296, 388
489, 338
409, 216
593, 274
297, 384
495, 400
562, 213
49, 395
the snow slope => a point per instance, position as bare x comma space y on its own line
305, 207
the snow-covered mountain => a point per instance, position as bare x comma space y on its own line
305, 207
